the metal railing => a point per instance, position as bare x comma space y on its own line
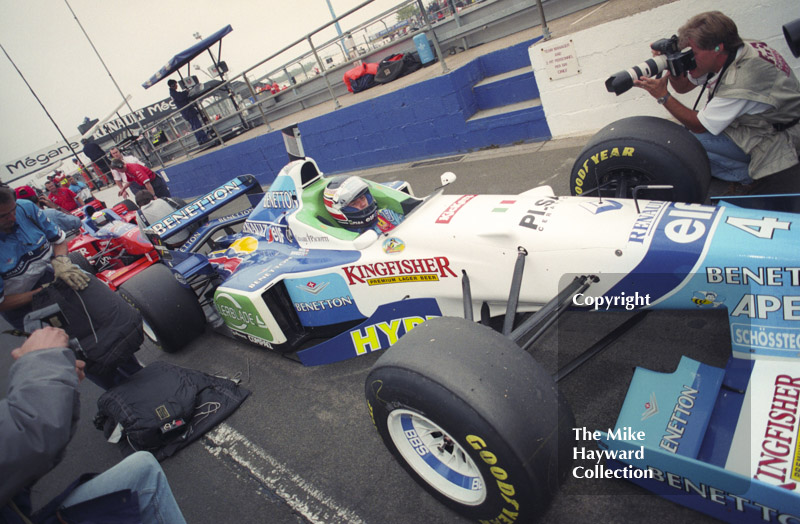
245, 100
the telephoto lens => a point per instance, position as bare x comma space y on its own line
622, 81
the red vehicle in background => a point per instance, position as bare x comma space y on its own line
110, 245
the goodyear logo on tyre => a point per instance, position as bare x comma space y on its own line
597, 159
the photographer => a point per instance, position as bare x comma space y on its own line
38, 417
749, 123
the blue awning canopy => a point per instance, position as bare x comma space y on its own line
186, 56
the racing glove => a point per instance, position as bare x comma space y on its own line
70, 273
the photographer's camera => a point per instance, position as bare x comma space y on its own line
678, 62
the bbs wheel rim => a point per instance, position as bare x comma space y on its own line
149, 332
436, 457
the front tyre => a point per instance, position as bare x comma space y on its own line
642, 150
171, 313
473, 419
79, 260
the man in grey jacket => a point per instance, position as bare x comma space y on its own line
37, 420
749, 124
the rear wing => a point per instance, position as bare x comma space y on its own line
201, 208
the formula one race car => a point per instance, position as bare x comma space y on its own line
110, 244
464, 408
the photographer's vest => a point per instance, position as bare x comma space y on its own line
771, 138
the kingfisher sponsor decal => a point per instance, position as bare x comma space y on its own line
448, 214
766, 444
779, 460
400, 271
393, 245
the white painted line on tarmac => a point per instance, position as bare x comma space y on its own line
301, 496
588, 14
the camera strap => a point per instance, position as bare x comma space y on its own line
728, 61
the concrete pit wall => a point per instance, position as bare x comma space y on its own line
580, 104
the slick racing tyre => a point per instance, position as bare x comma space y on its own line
473, 419
80, 261
171, 313
129, 205
643, 150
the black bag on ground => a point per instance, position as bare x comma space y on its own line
395, 66
164, 407
107, 327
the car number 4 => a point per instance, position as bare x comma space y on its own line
758, 227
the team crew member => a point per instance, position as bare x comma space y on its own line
28, 241
62, 196
119, 174
350, 202
65, 221
140, 178
189, 111
749, 123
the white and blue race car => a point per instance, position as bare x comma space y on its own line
464, 408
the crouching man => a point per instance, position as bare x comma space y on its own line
36, 272
38, 418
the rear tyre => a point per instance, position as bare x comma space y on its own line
643, 150
473, 419
171, 313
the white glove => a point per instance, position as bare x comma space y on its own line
70, 273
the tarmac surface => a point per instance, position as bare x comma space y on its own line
302, 447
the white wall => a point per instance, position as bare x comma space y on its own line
580, 104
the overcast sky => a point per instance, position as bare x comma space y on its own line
134, 38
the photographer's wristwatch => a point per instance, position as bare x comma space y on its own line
663, 99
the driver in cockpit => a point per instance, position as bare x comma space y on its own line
350, 202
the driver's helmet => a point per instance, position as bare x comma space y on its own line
343, 200
100, 219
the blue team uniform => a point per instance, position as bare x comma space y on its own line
25, 253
